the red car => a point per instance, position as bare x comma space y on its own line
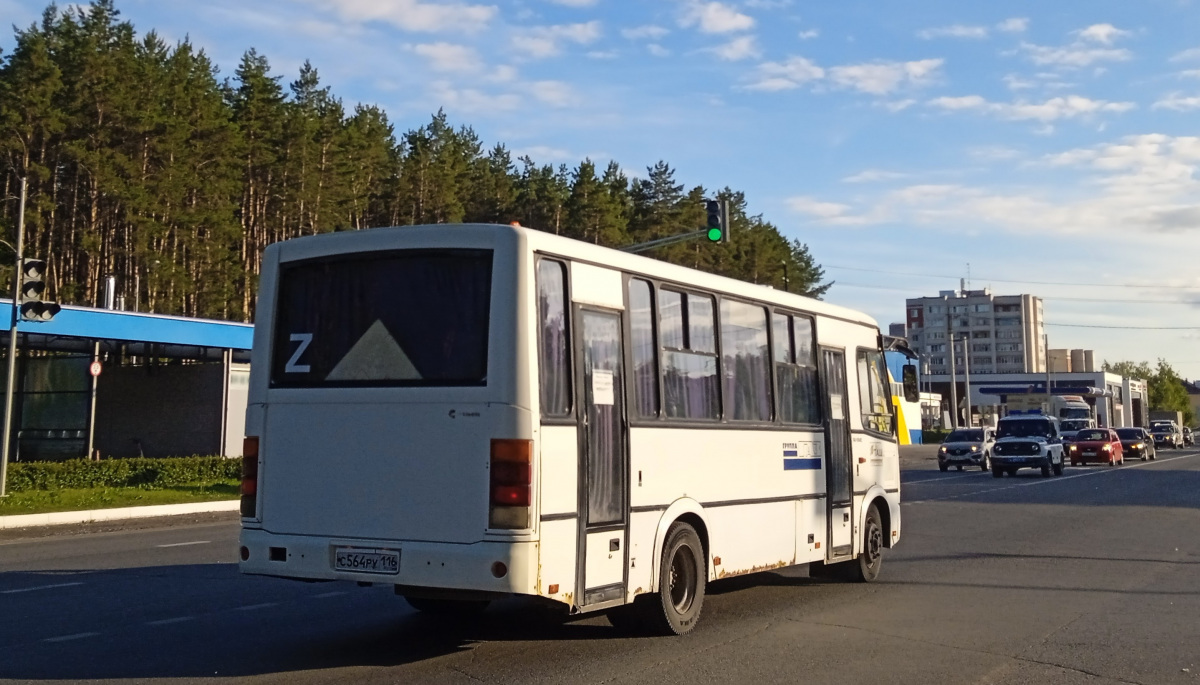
1097, 446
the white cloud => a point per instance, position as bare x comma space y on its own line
768, 4
873, 175
1178, 102
881, 78
1054, 109
1073, 56
448, 56
1186, 55
1190, 73
413, 15
1101, 33
809, 34
1127, 189
715, 17
553, 93
657, 50
575, 3
955, 31
1015, 82
1013, 25
547, 41
743, 47
787, 75
831, 212
647, 31
603, 54
470, 100
543, 154
504, 73
899, 105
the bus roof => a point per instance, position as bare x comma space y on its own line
540, 241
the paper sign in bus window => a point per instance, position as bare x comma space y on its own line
602, 387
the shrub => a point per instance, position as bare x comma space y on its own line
121, 473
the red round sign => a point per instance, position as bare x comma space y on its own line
95, 368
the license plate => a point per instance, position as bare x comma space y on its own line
382, 561
1089, 454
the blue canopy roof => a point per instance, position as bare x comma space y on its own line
104, 324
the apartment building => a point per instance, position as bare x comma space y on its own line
996, 333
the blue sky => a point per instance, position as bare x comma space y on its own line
1051, 146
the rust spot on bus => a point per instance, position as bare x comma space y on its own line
756, 569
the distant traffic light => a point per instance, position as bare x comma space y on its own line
717, 220
33, 284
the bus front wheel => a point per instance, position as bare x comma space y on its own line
682, 576
866, 568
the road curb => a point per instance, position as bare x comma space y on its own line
118, 514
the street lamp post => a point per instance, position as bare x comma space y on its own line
967, 376
6, 439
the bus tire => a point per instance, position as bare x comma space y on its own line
865, 569
682, 575
447, 607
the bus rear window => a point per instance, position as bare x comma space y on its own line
401, 318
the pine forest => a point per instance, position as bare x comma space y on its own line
145, 163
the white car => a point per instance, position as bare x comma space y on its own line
1027, 441
967, 447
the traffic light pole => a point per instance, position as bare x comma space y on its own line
6, 440
669, 240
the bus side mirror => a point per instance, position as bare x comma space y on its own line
912, 391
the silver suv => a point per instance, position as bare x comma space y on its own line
967, 447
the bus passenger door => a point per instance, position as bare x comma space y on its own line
838, 456
602, 462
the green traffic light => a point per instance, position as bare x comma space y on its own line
714, 234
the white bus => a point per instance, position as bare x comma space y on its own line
469, 412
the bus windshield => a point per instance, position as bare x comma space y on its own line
399, 318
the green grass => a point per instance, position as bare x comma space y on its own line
83, 499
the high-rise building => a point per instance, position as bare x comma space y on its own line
997, 333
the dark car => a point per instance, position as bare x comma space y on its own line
1167, 434
1137, 443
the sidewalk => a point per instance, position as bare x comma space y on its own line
59, 518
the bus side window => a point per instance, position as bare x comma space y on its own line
645, 360
747, 364
796, 369
689, 359
554, 368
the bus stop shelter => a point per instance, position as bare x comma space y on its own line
127, 384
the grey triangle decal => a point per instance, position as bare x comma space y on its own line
375, 357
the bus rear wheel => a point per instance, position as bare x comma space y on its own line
682, 577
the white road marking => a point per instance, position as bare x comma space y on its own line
185, 544
328, 594
64, 638
169, 621
939, 479
1045, 481
252, 607
40, 587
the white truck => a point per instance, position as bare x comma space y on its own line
1027, 441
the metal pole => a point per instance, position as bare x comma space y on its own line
967, 377
953, 377
91, 437
6, 439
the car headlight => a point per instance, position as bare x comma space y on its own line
1139, 445
974, 448
1072, 447
1107, 448
943, 449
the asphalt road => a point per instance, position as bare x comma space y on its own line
1091, 577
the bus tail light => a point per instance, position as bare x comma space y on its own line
510, 483
249, 477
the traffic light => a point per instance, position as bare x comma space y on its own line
717, 220
33, 284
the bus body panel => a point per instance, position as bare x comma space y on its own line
382, 470
558, 464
